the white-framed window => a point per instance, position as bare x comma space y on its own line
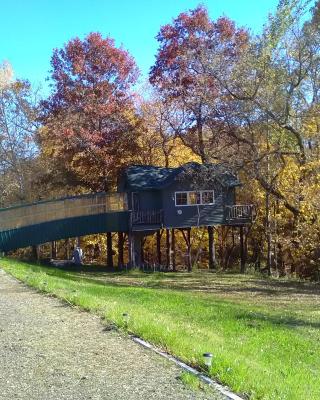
191, 198
194, 198
181, 198
207, 197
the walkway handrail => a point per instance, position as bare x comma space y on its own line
77, 206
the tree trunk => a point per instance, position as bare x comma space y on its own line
109, 250
242, 252
212, 252
159, 247
142, 251
268, 233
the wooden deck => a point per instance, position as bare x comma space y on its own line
240, 214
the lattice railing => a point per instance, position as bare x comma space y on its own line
240, 213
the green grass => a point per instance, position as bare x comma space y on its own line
192, 381
264, 333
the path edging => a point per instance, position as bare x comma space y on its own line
204, 378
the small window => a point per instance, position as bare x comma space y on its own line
207, 197
194, 198
181, 198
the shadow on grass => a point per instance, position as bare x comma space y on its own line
256, 320
250, 319
183, 281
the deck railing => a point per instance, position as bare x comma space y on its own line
147, 217
240, 213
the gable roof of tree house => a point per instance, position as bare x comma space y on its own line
149, 177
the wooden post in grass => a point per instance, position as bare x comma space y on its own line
67, 249
109, 250
130, 249
136, 249
159, 247
189, 249
35, 252
187, 239
142, 251
54, 250
168, 249
173, 250
242, 252
212, 251
120, 249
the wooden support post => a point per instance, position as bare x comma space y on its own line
212, 251
168, 249
187, 238
142, 251
120, 249
242, 252
35, 252
67, 249
130, 249
189, 250
159, 247
54, 250
173, 250
136, 249
109, 250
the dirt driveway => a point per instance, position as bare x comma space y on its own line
50, 351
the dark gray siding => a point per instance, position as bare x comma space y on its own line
195, 215
148, 200
229, 197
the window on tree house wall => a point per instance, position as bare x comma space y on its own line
194, 198
204, 197
207, 197
181, 198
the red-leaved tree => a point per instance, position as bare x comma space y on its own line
89, 120
194, 99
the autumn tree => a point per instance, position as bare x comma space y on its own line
158, 143
193, 97
18, 150
272, 90
89, 119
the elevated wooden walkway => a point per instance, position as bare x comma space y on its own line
31, 224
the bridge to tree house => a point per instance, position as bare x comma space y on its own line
46, 221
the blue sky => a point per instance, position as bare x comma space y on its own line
31, 29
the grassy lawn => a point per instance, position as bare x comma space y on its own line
264, 333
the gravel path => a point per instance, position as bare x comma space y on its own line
49, 351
